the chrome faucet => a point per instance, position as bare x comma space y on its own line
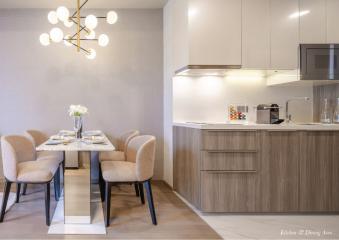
288, 117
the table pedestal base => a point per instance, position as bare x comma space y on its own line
97, 225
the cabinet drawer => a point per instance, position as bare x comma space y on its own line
228, 192
229, 140
232, 161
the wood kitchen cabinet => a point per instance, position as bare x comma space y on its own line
186, 180
279, 171
272, 171
319, 179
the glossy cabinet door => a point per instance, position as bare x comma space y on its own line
214, 32
176, 35
332, 21
312, 21
284, 34
256, 34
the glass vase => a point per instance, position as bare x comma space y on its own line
77, 126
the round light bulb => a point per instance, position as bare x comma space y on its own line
103, 40
92, 54
68, 23
44, 39
112, 17
56, 35
91, 22
67, 41
62, 13
52, 17
90, 35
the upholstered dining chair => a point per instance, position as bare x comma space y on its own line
20, 166
119, 155
37, 138
138, 168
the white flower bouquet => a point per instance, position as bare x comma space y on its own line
77, 111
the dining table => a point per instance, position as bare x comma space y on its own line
77, 181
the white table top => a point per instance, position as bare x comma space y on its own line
79, 146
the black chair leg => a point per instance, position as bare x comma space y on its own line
24, 188
108, 186
57, 185
47, 202
18, 187
101, 185
136, 187
7, 189
150, 201
63, 163
141, 192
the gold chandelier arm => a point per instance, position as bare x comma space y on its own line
79, 8
82, 39
81, 48
78, 36
85, 17
83, 28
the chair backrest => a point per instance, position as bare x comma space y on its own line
141, 150
125, 138
37, 137
15, 149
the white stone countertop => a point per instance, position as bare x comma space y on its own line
254, 126
77, 145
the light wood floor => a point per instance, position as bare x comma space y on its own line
130, 219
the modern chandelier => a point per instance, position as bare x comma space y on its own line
84, 32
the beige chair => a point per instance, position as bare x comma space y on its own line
20, 166
138, 168
119, 154
37, 138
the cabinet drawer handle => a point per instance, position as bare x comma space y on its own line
231, 151
282, 130
232, 130
231, 171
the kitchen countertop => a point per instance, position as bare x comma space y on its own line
254, 126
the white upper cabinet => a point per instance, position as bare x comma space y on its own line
284, 34
256, 34
313, 21
332, 21
179, 33
214, 28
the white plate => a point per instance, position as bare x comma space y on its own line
54, 142
66, 133
92, 133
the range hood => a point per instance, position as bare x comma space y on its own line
206, 70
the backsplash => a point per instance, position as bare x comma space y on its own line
331, 92
206, 99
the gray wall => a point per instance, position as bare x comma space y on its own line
122, 87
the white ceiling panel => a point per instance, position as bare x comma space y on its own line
101, 4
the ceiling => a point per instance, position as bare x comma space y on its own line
104, 4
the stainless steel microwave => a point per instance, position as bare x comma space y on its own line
319, 61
